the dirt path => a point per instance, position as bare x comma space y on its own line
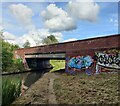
51, 94
52, 97
41, 92
82, 89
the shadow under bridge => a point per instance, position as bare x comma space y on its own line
42, 60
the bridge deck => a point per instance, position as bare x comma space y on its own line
50, 56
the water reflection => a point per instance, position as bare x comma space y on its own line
27, 78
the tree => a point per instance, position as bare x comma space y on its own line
50, 40
8, 63
26, 44
7, 56
13, 47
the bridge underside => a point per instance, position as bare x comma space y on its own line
42, 61
38, 63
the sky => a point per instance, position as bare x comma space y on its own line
67, 21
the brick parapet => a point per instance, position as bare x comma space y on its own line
74, 48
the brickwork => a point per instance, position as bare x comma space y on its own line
74, 48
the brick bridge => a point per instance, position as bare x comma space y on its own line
38, 57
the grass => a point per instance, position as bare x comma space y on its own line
57, 65
10, 91
84, 89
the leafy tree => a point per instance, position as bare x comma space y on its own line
7, 55
1, 34
13, 47
26, 44
8, 63
50, 40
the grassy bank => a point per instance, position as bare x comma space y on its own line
84, 89
10, 91
57, 65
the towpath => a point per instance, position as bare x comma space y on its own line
41, 92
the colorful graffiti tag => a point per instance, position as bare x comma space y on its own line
101, 60
109, 60
80, 62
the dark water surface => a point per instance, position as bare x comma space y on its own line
28, 78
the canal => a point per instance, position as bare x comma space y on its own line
29, 78
22, 81
15, 85
26, 78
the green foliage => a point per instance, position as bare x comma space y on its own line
1, 34
10, 91
7, 55
50, 40
18, 65
13, 47
8, 63
26, 44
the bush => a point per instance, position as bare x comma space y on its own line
7, 56
18, 65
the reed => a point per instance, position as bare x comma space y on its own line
10, 91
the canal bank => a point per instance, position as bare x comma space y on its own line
25, 79
41, 92
14, 85
62, 88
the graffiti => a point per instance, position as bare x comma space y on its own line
88, 72
112, 51
80, 62
108, 60
100, 62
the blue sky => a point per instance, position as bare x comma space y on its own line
58, 18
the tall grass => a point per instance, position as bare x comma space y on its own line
10, 91
57, 65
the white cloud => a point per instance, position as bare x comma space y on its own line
21, 40
11, 41
1, 27
23, 14
35, 38
111, 20
84, 10
9, 37
56, 19
58, 36
68, 40
114, 22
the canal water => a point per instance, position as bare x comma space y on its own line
27, 78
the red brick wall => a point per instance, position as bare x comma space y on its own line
74, 48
